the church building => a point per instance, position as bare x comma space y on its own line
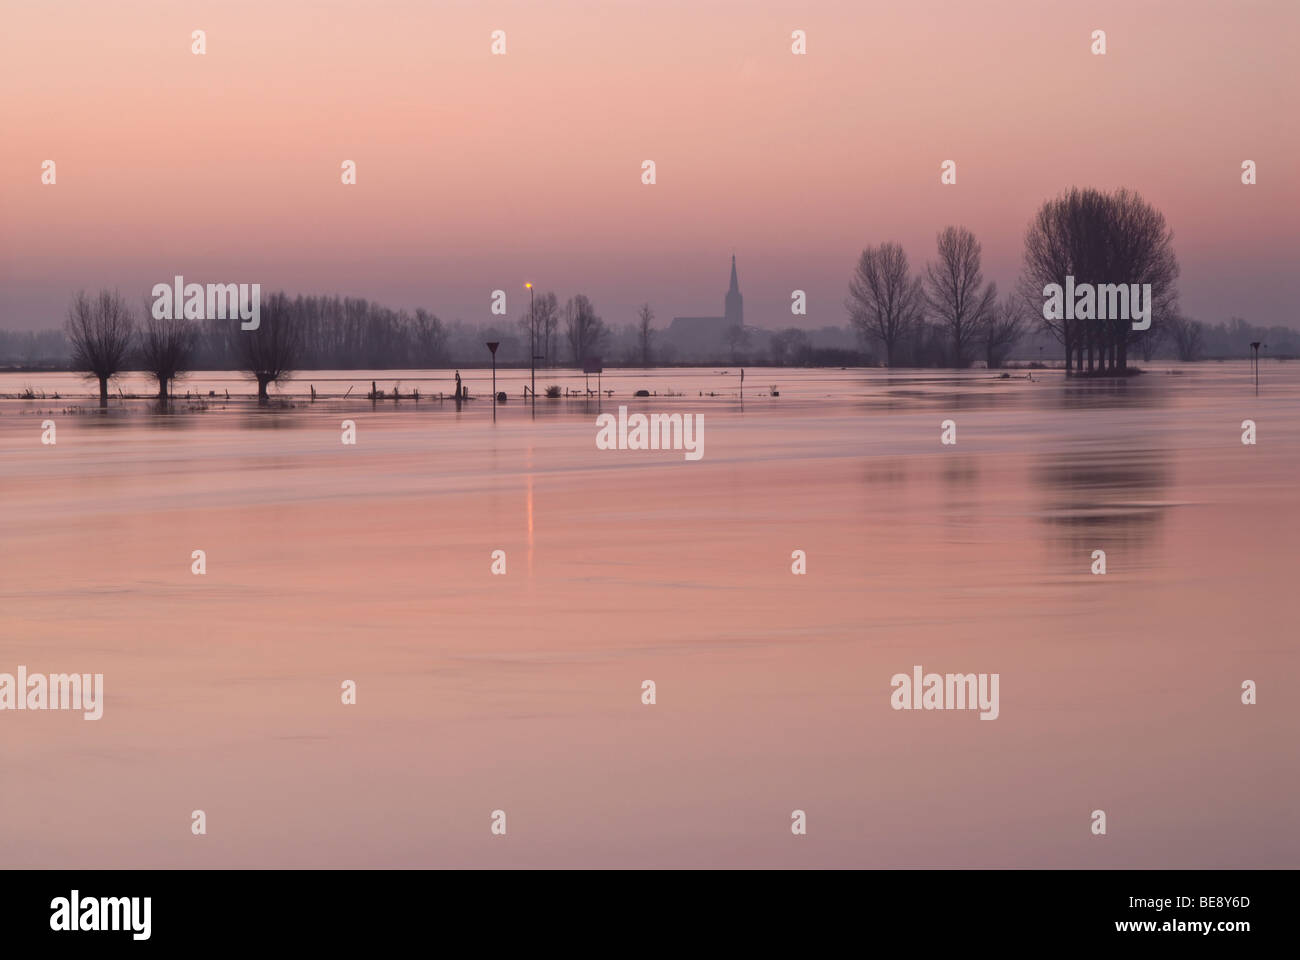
705, 337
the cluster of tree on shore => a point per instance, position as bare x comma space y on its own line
949, 313
947, 316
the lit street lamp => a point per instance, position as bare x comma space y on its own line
532, 341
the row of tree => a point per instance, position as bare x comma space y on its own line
1094, 237
303, 332
946, 316
104, 336
1194, 340
30, 348
293, 334
331, 333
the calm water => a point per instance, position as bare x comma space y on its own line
521, 692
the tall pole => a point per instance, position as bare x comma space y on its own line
532, 343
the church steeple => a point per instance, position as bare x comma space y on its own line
735, 303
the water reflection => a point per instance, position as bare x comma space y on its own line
1097, 493
1111, 393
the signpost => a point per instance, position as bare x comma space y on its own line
589, 366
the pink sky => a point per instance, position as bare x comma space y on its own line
478, 171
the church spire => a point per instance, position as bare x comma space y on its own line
735, 303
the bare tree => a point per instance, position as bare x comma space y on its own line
1188, 336
1157, 335
1099, 238
530, 325
884, 302
790, 345
644, 318
538, 322
429, 339
737, 339
100, 331
959, 298
549, 319
271, 352
1004, 329
585, 331
166, 349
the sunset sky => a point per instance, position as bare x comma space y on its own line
478, 172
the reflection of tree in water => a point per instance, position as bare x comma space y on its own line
1110, 393
1094, 497
886, 471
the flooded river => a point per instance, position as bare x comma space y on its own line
522, 691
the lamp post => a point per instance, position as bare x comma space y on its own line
532, 342
492, 345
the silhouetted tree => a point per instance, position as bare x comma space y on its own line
538, 323
429, 339
958, 297
100, 330
272, 351
43, 347
549, 319
737, 339
1188, 336
1150, 343
531, 328
645, 333
884, 302
926, 344
790, 345
166, 349
585, 331
1005, 328
1099, 238
215, 349
1233, 338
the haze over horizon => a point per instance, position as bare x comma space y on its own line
477, 172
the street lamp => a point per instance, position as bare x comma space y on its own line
532, 342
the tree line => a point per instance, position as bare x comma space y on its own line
949, 313
106, 337
294, 333
105, 334
946, 314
